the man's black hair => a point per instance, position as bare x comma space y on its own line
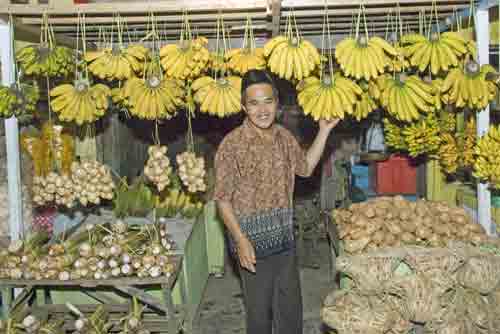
254, 77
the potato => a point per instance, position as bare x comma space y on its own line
407, 237
353, 246
444, 217
423, 232
370, 212
389, 239
394, 227
474, 227
409, 226
378, 237
380, 212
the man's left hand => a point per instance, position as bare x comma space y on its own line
328, 125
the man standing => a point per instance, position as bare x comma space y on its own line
255, 169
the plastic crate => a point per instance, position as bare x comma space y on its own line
397, 175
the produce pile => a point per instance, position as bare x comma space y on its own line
94, 252
393, 221
25, 321
444, 290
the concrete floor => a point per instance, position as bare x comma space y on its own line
222, 310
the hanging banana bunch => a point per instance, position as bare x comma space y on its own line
360, 56
367, 101
46, 59
487, 162
469, 143
393, 136
117, 62
19, 99
447, 121
468, 87
331, 95
80, 102
448, 154
328, 97
291, 56
405, 97
219, 95
187, 59
154, 96
248, 57
423, 136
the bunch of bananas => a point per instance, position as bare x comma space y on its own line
118, 97
242, 60
117, 63
439, 99
364, 57
80, 102
448, 153
15, 101
178, 203
186, 60
153, 97
43, 60
393, 135
486, 165
399, 62
328, 97
423, 136
447, 121
221, 97
217, 62
404, 97
468, 87
469, 143
366, 103
291, 57
440, 52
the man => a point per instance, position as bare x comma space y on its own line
255, 168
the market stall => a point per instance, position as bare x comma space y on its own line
108, 88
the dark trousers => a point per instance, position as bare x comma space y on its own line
273, 298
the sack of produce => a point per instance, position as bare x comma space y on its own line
370, 271
480, 273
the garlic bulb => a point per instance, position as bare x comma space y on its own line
158, 168
192, 171
92, 182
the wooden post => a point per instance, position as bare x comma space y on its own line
12, 139
483, 118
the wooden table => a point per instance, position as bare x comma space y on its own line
131, 286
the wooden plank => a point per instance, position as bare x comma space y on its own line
306, 12
369, 3
276, 14
135, 7
143, 297
194, 18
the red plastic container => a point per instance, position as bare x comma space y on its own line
80, 1
397, 175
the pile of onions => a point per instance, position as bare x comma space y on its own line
158, 168
92, 182
97, 252
192, 171
53, 188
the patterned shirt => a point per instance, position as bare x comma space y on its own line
256, 174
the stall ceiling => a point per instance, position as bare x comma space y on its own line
269, 17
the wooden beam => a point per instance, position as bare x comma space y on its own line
369, 3
334, 12
193, 18
135, 7
276, 16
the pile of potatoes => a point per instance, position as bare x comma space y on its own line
393, 222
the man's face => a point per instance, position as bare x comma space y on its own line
261, 105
